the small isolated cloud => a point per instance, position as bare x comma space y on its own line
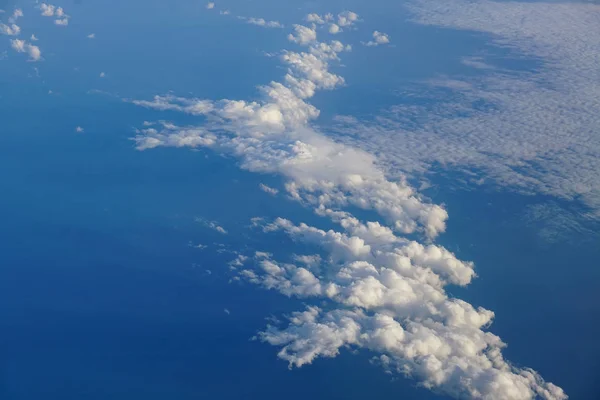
33, 38
224, 12
210, 6
91, 36
79, 129
226, 311
334, 29
62, 22
378, 39
22, 46
102, 74
10, 30
268, 189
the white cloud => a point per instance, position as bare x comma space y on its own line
303, 35
378, 39
33, 38
91, 36
18, 13
22, 46
388, 297
334, 29
347, 18
383, 292
210, 6
79, 129
49, 10
102, 74
12, 30
262, 22
268, 189
343, 19
536, 131
212, 225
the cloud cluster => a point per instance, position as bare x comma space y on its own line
387, 295
49, 10
384, 292
334, 23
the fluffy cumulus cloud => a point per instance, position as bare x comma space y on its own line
303, 35
533, 131
383, 291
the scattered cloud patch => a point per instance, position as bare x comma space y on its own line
91, 36
18, 13
49, 10
21, 46
210, 6
212, 225
262, 22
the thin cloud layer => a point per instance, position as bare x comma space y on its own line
384, 292
534, 132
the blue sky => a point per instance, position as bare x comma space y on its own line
399, 189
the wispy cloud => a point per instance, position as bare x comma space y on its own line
268, 189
